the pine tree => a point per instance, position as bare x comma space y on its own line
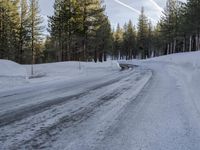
55, 30
129, 41
65, 27
192, 17
103, 40
3, 35
74, 27
150, 39
91, 11
118, 41
23, 30
9, 21
157, 41
36, 29
142, 36
169, 25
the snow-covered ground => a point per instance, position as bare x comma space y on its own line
42, 112
11, 74
98, 107
14, 76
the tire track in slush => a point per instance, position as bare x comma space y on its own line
18, 114
77, 117
24, 112
65, 121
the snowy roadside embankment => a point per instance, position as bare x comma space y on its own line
185, 67
70, 70
11, 69
85, 111
86, 97
14, 76
11, 74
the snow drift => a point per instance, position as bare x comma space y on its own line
11, 69
186, 68
13, 75
71, 69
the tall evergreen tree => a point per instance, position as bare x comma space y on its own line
118, 41
24, 37
91, 11
150, 40
9, 22
74, 27
142, 36
103, 40
169, 25
192, 17
36, 28
129, 40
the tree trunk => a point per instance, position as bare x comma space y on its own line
84, 48
104, 56
184, 44
168, 49
95, 56
174, 48
196, 42
190, 45
85, 31
171, 47
100, 57
32, 40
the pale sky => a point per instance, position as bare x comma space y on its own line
119, 11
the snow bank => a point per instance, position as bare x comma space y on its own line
11, 69
71, 70
185, 67
188, 64
188, 59
13, 75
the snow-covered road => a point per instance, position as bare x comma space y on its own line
163, 117
65, 114
151, 107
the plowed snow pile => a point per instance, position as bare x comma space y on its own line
11, 69
13, 75
186, 68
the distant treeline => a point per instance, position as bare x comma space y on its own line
80, 30
177, 31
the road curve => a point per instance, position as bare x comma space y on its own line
133, 109
38, 119
161, 118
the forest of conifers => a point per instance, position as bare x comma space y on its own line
80, 30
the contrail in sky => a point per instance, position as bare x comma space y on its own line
157, 6
131, 8
127, 6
